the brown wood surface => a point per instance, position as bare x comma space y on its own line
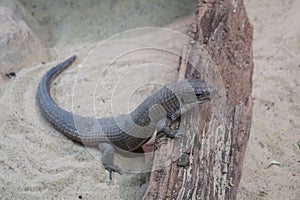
207, 163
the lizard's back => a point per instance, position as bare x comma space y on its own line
86, 130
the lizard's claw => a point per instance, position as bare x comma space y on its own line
111, 169
171, 133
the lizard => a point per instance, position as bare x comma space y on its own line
126, 131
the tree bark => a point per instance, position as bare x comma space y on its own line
207, 163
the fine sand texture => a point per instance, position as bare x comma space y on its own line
275, 133
38, 162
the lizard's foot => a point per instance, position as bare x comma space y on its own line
171, 133
111, 169
107, 157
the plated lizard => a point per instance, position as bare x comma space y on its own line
126, 131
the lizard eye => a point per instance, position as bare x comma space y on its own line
198, 93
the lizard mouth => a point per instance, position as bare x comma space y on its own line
205, 95
203, 99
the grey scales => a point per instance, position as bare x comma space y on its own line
126, 131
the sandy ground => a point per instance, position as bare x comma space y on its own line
276, 118
37, 162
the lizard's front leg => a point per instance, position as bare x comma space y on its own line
108, 152
164, 127
171, 117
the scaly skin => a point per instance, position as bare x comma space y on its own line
127, 131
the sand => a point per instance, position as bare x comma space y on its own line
37, 162
276, 125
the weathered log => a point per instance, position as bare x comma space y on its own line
207, 163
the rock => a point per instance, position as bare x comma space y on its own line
19, 46
217, 134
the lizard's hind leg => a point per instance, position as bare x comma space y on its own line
108, 152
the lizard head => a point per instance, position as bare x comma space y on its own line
192, 91
201, 90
